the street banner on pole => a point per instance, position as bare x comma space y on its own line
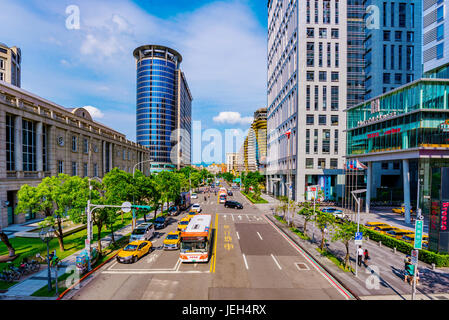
415, 257
418, 233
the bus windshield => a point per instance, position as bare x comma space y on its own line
196, 246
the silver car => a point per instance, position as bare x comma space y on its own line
144, 231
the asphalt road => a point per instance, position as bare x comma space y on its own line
252, 260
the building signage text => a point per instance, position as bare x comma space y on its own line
375, 119
384, 133
444, 209
435, 211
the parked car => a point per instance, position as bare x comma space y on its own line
160, 222
383, 229
399, 233
134, 251
194, 196
401, 210
196, 207
233, 204
172, 241
374, 224
173, 211
336, 212
144, 231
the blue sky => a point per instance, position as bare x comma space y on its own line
223, 44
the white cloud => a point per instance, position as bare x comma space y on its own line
224, 60
94, 112
231, 117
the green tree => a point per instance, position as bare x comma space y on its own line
324, 221
345, 232
307, 211
282, 206
59, 197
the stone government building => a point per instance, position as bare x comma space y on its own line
39, 138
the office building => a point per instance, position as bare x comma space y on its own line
40, 139
392, 45
164, 107
307, 93
10, 60
356, 52
408, 125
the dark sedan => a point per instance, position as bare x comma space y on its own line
160, 222
233, 204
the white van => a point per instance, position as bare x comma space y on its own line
144, 231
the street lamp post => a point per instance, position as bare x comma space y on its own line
46, 235
358, 221
134, 172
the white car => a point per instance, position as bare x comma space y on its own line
335, 212
196, 207
194, 196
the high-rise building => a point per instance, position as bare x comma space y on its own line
307, 91
356, 52
255, 144
435, 45
164, 107
10, 59
392, 45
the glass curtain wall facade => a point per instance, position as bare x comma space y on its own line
164, 104
156, 99
409, 124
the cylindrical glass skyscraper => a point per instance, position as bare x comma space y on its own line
157, 69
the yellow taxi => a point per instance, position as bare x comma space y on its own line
400, 210
410, 238
172, 241
134, 251
183, 223
372, 225
191, 214
399, 233
383, 229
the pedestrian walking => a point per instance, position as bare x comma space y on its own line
366, 257
359, 256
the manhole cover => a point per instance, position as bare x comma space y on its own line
302, 266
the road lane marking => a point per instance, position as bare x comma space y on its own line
277, 263
213, 263
232, 216
246, 262
259, 236
320, 270
238, 236
248, 218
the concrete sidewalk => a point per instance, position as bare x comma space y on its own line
383, 275
30, 285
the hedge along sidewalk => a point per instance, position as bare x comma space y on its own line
35, 283
440, 260
250, 198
